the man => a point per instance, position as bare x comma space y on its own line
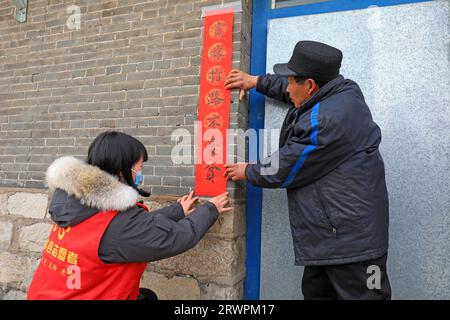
329, 162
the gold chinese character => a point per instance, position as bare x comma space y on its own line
215, 75
217, 52
210, 172
72, 258
49, 247
218, 29
213, 120
214, 98
62, 254
55, 250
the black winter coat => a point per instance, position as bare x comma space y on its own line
331, 166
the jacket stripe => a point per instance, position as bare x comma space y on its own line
314, 143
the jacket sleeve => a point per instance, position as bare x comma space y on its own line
273, 87
136, 235
173, 212
317, 147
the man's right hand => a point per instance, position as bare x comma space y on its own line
240, 79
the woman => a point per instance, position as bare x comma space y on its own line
103, 238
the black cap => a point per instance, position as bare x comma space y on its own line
313, 60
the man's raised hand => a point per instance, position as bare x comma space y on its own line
242, 80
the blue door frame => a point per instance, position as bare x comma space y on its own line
262, 13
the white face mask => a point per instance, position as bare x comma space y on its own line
138, 179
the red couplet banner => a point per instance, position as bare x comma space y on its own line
214, 105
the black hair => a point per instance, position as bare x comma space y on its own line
302, 79
117, 152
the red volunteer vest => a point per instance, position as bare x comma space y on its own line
71, 269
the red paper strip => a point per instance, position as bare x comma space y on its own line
214, 105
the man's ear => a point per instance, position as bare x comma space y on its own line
312, 86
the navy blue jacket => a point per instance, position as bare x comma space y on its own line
331, 166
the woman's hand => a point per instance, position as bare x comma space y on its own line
221, 201
187, 202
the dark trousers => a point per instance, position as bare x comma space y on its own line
353, 281
147, 294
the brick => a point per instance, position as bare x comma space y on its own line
129, 51
162, 64
95, 89
100, 38
179, 62
141, 131
189, 71
117, 11
143, 94
109, 79
6, 232
143, 75
195, 33
170, 181
230, 224
171, 287
76, 124
144, 112
113, 69
101, 6
13, 268
179, 91
18, 134
150, 14
132, 67
29, 205
211, 258
32, 238
60, 142
131, 34
45, 133
187, 52
95, 71
90, 124
15, 295
145, 66
153, 53
212, 291
152, 180
175, 191
128, 85
175, 171
69, 43
109, 96
159, 83
110, 114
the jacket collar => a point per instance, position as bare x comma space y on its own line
326, 91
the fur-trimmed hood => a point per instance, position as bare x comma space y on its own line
90, 185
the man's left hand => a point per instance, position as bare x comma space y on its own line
235, 171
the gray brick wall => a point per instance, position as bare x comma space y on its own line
133, 66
